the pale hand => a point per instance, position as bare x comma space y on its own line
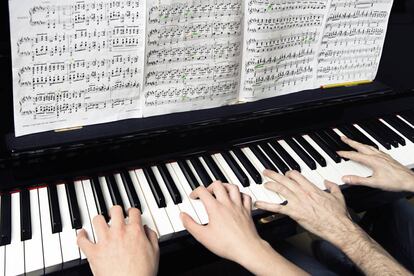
122, 249
322, 213
388, 174
231, 232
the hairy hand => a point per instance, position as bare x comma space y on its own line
322, 213
122, 249
388, 174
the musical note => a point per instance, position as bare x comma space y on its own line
352, 42
193, 54
281, 44
76, 63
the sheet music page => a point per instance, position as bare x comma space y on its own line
281, 42
76, 62
353, 40
193, 54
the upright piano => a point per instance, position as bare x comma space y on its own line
53, 184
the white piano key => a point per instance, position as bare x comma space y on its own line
197, 204
230, 175
272, 196
405, 153
15, 250
207, 169
51, 242
404, 120
186, 205
190, 165
360, 169
122, 192
83, 209
256, 190
90, 203
394, 154
173, 212
158, 214
312, 175
2, 254
331, 172
33, 249
146, 216
70, 250
106, 194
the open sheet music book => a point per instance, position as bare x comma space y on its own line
77, 63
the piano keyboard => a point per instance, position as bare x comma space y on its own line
38, 227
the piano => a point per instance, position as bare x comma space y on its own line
53, 184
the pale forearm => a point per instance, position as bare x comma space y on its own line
367, 254
266, 261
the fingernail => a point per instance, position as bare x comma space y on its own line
345, 179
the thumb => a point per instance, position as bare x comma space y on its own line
334, 190
84, 243
195, 229
356, 180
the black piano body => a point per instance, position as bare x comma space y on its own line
49, 158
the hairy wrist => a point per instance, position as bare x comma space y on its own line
345, 230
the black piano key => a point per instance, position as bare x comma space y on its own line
301, 153
54, 209
383, 132
335, 137
214, 168
241, 176
130, 190
401, 126
250, 168
285, 155
374, 133
169, 182
335, 142
99, 198
25, 217
311, 150
325, 147
75, 216
155, 188
396, 137
280, 164
114, 192
262, 158
202, 173
408, 115
189, 175
355, 134
5, 220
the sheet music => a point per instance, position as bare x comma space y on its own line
281, 42
353, 40
76, 63
193, 54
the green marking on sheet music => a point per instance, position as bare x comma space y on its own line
259, 66
270, 7
195, 33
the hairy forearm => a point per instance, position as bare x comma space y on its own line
367, 254
266, 261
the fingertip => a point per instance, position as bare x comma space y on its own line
347, 179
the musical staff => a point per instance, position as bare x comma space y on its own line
352, 43
193, 54
76, 62
82, 62
281, 44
